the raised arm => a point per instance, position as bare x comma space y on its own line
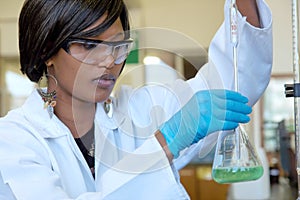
254, 60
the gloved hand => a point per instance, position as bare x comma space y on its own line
206, 112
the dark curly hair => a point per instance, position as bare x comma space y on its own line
45, 24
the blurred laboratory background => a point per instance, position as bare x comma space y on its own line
271, 129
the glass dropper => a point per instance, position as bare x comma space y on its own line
234, 41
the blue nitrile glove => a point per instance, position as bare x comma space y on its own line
206, 112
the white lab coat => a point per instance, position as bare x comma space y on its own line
39, 158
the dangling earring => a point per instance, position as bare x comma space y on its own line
48, 97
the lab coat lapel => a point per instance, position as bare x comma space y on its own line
52, 129
64, 136
106, 150
109, 146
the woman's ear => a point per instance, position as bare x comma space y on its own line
49, 63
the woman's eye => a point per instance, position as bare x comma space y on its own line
88, 46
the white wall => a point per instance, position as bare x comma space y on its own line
282, 26
192, 17
195, 19
9, 11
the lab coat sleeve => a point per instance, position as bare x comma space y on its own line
25, 169
254, 51
255, 57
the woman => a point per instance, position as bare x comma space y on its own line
72, 140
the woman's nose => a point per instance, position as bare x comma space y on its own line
108, 62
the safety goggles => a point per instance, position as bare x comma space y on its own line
93, 52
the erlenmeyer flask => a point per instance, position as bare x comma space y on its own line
235, 159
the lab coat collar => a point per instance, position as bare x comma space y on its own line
36, 114
104, 120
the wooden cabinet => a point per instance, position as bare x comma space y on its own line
199, 184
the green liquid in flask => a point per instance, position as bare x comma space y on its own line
237, 174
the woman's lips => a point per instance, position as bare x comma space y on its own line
106, 81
